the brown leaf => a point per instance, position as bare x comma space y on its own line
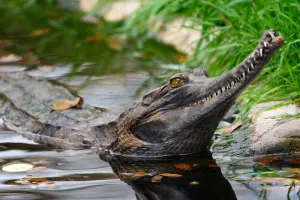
139, 174
231, 128
37, 179
40, 32
95, 38
36, 169
213, 165
156, 179
65, 104
170, 175
183, 166
179, 58
115, 44
52, 14
1, 160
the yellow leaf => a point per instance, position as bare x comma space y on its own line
171, 175
95, 38
40, 32
115, 43
64, 104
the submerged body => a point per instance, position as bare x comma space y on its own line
178, 118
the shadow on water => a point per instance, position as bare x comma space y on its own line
185, 178
109, 71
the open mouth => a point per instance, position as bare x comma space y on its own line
248, 68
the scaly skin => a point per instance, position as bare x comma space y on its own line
178, 118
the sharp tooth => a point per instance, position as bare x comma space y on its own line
232, 83
195, 104
203, 100
252, 67
243, 75
228, 86
219, 92
215, 94
265, 44
261, 52
223, 89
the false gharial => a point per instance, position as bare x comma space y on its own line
178, 118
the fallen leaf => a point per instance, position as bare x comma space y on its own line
213, 165
156, 179
1, 160
10, 58
179, 58
183, 166
170, 175
64, 104
52, 14
231, 128
40, 32
95, 38
36, 169
90, 19
115, 44
139, 174
17, 167
36, 179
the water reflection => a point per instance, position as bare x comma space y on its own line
185, 178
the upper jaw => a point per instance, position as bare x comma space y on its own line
229, 85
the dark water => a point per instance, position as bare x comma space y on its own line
113, 79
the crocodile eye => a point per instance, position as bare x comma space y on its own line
176, 82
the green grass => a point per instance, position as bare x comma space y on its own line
231, 30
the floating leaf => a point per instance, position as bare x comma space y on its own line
36, 169
1, 160
36, 179
230, 129
213, 165
10, 58
95, 38
40, 32
156, 179
183, 166
194, 183
65, 104
115, 43
171, 175
139, 174
17, 167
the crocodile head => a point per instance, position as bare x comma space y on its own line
181, 116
